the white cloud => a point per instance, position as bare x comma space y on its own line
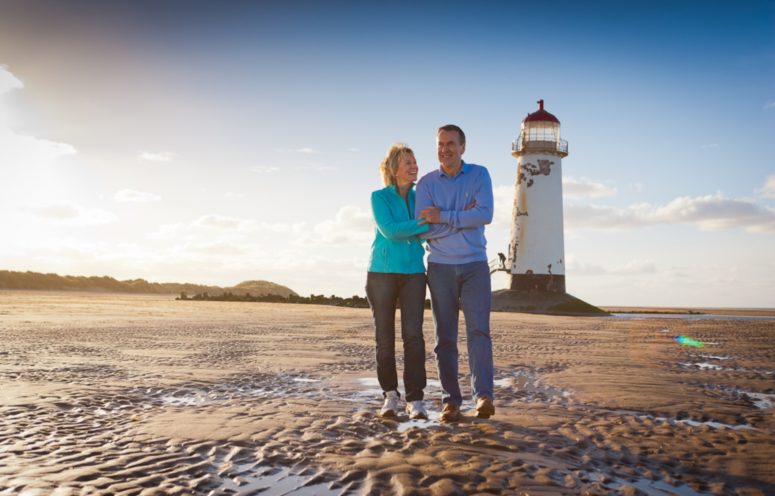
263, 169
214, 221
133, 196
73, 215
305, 150
709, 212
710, 145
203, 227
19, 151
768, 190
8, 81
158, 156
353, 149
631, 268
352, 226
770, 104
585, 188
233, 196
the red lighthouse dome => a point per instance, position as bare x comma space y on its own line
541, 115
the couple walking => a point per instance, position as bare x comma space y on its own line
448, 213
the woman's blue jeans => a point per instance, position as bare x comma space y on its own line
385, 292
453, 287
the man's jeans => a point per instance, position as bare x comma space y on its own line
384, 290
453, 287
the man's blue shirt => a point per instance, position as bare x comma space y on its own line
459, 238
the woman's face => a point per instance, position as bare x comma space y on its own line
406, 173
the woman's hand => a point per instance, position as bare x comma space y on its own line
432, 215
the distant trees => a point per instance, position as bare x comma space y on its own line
354, 301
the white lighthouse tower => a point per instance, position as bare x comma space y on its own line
536, 258
536, 254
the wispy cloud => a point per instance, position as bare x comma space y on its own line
769, 105
73, 214
351, 226
305, 150
264, 169
768, 190
709, 145
8, 81
204, 227
133, 196
585, 188
158, 156
711, 212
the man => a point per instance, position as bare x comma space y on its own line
456, 200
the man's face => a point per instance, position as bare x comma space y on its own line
449, 149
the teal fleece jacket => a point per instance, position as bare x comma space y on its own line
396, 247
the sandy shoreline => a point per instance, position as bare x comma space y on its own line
127, 394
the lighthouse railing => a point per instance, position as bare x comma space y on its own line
521, 144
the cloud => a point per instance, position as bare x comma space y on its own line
157, 156
233, 196
8, 81
214, 221
710, 145
132, 196
351, 226
263, 169
73, 215
631, 268
711, 212
770, 104
585, 188
305, 150
19, 151
768, 190
204, 226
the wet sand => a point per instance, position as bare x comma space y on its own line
117, 394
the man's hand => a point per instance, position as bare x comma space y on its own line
471, 205
432, 215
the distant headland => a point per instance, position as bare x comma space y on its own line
37, 281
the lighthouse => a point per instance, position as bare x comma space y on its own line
536, 256
535, 264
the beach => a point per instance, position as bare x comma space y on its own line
142, 394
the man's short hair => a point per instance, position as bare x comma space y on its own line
452, 127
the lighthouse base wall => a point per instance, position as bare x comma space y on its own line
543, 302
550, 283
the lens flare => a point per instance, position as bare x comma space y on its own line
683, 340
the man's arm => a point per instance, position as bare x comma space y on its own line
422, 200
480, 214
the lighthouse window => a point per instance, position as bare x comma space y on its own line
541, 134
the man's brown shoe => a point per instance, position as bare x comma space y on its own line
484, 408
450, 413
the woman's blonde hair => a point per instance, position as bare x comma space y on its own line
389, 165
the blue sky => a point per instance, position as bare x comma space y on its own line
217, 142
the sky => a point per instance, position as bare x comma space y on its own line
218, 142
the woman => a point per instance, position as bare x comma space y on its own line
397, 276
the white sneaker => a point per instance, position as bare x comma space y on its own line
416, 410
390, 408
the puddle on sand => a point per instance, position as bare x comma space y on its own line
761, 400
695, 423
648, 486
271, 481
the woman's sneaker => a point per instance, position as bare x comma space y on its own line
416, 410
390, 407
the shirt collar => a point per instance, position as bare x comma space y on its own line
463, 169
